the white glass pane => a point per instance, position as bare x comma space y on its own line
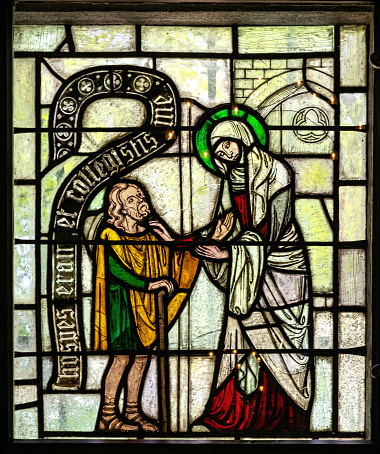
202, 80
96, 366
186, 39
286, 39
353, 109
66, 67
24, 394
351, 394
353, 56
352, 277
351, 332
117, 38
323, 330
25, 368
24, 274
29, 38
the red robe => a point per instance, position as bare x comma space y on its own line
266, 410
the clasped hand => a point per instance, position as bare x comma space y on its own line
222, 229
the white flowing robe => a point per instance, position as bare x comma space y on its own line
267, 288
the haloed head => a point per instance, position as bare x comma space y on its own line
228, 150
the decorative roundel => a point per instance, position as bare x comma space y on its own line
235, 112
86, 86
68, 105
142, 84
116, 81
310, 116
65, 135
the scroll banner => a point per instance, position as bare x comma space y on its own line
120, 157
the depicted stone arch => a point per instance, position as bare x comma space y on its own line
160, 97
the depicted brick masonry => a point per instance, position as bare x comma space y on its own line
250, 74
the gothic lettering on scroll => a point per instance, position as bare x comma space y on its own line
67, 340
160, 98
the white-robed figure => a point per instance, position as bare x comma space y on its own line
263, 269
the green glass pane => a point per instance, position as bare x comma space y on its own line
279, 39
315, 227
352, 155
313, 176
24, 331
25, 424
24, 156
29, 38
353, 55
45, 332
118, 38
83, 411
23, 92
352, 213
186, 39
24, 210
221, 114
44, 150
321, 414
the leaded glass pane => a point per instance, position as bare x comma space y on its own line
190, 225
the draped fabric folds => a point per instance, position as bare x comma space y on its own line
144, 261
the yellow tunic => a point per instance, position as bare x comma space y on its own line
148, 261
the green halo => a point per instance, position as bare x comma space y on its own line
256, 125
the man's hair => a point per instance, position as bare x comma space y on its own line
116, 204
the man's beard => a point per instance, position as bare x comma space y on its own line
135, 215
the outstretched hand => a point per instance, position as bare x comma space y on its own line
212, 252
223, 227
160, 230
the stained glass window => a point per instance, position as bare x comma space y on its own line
190, 231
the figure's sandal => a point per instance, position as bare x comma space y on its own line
132, 415
111, 423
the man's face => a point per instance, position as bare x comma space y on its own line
134, 203
228, 150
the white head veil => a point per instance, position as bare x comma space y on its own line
232, 129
